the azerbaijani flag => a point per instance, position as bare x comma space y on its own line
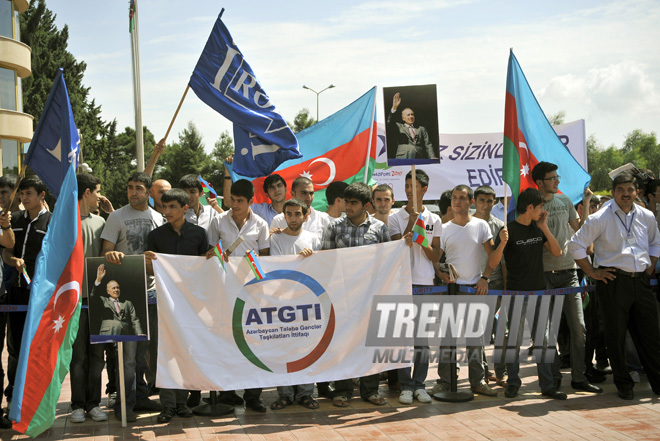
334, 149
218, 252
254, 264
529, 139
419, 232
207, 189
51, 324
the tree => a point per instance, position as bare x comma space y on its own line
557, 118
302, 121
187, 156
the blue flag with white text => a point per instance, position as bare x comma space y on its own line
55, 142
225, 81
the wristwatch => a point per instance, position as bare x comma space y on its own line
486, 279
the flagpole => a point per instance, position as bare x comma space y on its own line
137, 94
122, 387
185, 92
506, 220
414, 187
371, 130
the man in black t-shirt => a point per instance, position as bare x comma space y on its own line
522, 244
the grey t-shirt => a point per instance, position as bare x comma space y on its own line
128, 229
560, 211
495, 226
92, 227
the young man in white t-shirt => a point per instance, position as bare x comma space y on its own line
303, 189
463, 239
421, 260
294, 240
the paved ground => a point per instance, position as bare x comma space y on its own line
530, 416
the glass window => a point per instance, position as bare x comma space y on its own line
7, 89
6, 22
17, 26
10, 157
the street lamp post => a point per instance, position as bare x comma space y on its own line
317, 97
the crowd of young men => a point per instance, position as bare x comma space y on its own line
617, 246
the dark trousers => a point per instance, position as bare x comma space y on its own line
595, 337
627, 303
3, 333
86, 368
110, 367
368, 387
15, 324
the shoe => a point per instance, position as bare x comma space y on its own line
308, 402
511, 391
484, 389
604, 368
406, 397
422, 396
501, 382
440, 387
77, 416
635, 376
340, 401
256, 405
130, 416
147, 405
229, 397
184, 411
194, 398
586, 386
594, 376
377, 400
553, 393
5, 423
282, 402
112, 400
96, 414
625, 394
166, 415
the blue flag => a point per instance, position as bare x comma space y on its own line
225, 81
55, 143
51, 324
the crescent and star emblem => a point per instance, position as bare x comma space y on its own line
70, 286
330, 164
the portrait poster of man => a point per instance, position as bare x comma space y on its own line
117, 297
411, 117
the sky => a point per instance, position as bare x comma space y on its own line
595, 60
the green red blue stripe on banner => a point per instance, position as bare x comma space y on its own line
251, 257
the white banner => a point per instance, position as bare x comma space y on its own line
471, 159
305, 322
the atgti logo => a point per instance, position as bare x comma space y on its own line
298, 315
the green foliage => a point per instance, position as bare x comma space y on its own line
187, 156
301, 121
640, 148
557, 118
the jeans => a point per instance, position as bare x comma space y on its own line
368, 387
86, 368
413, 378
296, 393
134, 369
15, 324
575, 319
173, 398
544, 370
152, 354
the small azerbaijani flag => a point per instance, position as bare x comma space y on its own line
419, 232
218, 252
208, 190
254, 264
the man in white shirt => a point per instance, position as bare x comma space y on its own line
626, 248
421, 261
295, 240
303, 189
239, 220
463, 240
198, 214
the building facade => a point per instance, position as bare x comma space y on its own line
16, 127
